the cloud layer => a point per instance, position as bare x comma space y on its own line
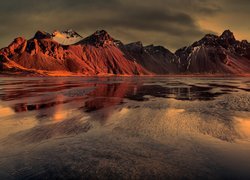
172, 23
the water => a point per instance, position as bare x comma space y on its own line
124, 127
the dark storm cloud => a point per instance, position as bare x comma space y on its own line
173, 23
147, 19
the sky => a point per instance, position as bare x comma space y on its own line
170, 23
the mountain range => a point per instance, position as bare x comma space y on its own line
67, 53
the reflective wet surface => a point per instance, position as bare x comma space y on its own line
125, 127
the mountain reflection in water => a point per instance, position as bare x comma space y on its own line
104, 95
124, 127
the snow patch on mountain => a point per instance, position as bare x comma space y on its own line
67, 37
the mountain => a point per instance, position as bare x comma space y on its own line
94, 55
99, 39
156, 59
65, 53
66, 37
216, 54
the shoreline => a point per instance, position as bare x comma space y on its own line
114, 75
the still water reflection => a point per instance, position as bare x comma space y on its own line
124, 127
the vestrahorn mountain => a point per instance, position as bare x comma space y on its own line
68, 53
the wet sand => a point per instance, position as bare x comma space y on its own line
128, 128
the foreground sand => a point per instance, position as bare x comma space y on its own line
158, 139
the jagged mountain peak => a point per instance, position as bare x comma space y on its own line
118, 43
135, 47
244, 42
102, 35
156, 48
101, 32
226, 39
42, 35
137, 43
19, 40
210, 37
67, 34
72, 33
227, 34
99, 38
66, 37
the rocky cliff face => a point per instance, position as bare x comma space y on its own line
63, 53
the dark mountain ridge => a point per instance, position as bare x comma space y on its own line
216, 54
101, 54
